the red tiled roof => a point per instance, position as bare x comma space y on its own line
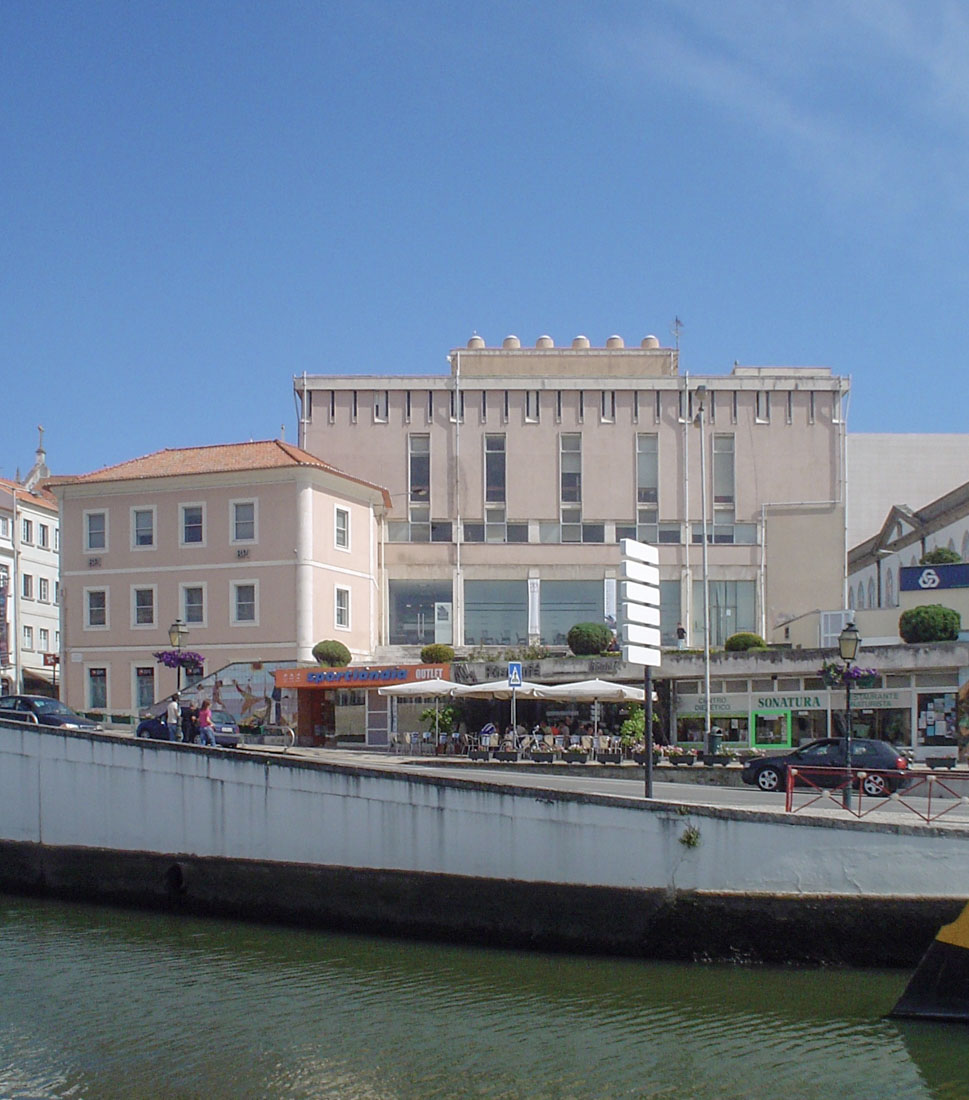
267, 454
37, 495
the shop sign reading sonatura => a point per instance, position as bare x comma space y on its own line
790, 702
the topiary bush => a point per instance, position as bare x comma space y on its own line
941, 555
437, 654
744, 639
588, 639
929, 623
331, 653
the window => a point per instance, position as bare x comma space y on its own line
142, 527
495, 469
381, 404
27, 586
789, 416
570, 458
341, 604
96, 606
193, 604
44, 639
456, 406
193, 525
558, 407
647, 468
723, 469
244, 603
95, 531
712, 406
581, 406
484, 406
43, 536
26, 531
97, 688
430, 406
836, 408
144, 687
341, 529
607, 406
658, 407
532, 406
889, 588
143, 607
419, 488
733, 408
353, 407
4, 527
504, 410
28, 637
812, 406
243, 521
43, 589
762, 406
331, 414
407, 406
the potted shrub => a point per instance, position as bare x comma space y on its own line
589, 639
677, 755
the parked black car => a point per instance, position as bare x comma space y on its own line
45, 712
886, 767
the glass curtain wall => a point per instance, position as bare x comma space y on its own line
412, 610
565, 603
733, 607
496, 612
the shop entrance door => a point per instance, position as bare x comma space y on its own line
771, 729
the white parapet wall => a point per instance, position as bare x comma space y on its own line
65, 790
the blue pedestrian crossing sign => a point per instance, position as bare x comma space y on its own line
515, 674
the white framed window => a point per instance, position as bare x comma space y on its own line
533, 406
96, 609
43, 590
191, 528
28, 637
43, 536
27, 586
381, 406
144, 686
142, 528
143, 606
27, 530
245, 603
762, 406
95, 530
192, 603
341, 607
607, 407
97, 689
44, 639
341, 528
243, 519
4, 527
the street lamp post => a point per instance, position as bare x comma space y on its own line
848, 642
701, 393
176, 635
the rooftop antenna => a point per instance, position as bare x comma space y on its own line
677, 326
282, 432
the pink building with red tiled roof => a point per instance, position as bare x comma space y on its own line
260, 549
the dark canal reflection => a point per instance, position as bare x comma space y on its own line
99, 1003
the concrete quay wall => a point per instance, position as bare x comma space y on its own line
287, 838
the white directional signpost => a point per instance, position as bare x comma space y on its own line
514, 682
639, 618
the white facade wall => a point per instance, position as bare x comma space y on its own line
134, 796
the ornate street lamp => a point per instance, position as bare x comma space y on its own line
177, 633
848, 642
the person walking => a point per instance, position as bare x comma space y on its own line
206, 732
173, 716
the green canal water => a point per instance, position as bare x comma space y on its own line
101, 1003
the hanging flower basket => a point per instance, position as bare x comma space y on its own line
175, 658
836, 675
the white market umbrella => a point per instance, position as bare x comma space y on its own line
434, 687
593, 691
502, 689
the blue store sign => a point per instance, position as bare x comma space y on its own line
927, 578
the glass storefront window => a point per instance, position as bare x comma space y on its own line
565, 603
412, 610
496, 612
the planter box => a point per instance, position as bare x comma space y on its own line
716, 758
507, 757
940, 761
479, 754
609, 757
682, 761
542, 757
575, 757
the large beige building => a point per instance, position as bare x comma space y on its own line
260, 549
514, 476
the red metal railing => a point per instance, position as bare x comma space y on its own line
825, 788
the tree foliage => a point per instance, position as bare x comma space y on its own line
742, 640
588, 639
929, 623
331, 653
941, 555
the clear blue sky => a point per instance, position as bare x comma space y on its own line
201, 199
